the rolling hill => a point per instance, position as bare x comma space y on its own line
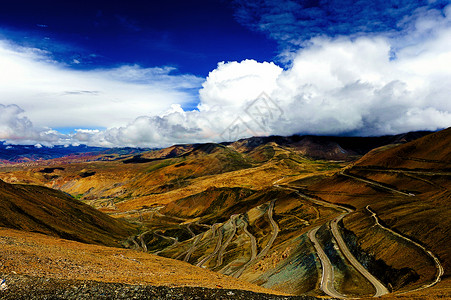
319, 216
40, 209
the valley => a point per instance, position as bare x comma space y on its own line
312, 216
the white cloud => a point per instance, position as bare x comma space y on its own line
17, 128
55, 96
235, 83
347, 86
338, 86
333, 86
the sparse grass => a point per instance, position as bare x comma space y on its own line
160, 165
78, 196
202, 184
39, 255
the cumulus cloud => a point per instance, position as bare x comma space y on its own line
56, 96
17, 128
346, 86
235, 83
364, 85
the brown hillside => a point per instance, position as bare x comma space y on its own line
408, 187
40, 209
259, 209
429, 152
26, 253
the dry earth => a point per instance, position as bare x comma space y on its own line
38, 266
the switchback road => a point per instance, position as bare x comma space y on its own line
327, 276
380, 288
327, 282
439, 267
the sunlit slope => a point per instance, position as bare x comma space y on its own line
402, 200
40, 209
269, 243
430, 152
134, 177
37, 255
261, 210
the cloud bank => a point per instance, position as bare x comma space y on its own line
358, 85
55, 96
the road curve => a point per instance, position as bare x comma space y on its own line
193, 247
227, 242
327, 276
253, 250
380, 288
189, 230
275, 232
253, 240
439, 267
215, 228
143, 243
376, 184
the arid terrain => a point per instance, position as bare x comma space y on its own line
306, 216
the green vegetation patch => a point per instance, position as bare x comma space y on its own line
162, 164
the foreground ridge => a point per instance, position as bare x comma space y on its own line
31, 287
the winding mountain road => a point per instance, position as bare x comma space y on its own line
253, 250
439, 267
215, 228
427, 173
376, 184
327, 276
189, 230
174, 240
193, 246
220, 258
380, 288
252, 239
275, 232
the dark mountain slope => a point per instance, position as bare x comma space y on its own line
44, 210
408, 188
430, 152
328, 147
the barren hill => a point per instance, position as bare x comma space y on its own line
266, 211
402, 199
71, 270
44, 210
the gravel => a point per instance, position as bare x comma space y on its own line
29, 287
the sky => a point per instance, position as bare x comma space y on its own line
157, 73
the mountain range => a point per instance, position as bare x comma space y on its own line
311, 216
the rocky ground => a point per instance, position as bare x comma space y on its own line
30, 287
36, 266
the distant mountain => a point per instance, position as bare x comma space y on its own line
26, 153
262, 209
328, 147
431, 152
323, 147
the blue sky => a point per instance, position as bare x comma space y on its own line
154, 73
192, 36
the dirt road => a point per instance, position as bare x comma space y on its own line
439, 267
380, 288
327, 276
